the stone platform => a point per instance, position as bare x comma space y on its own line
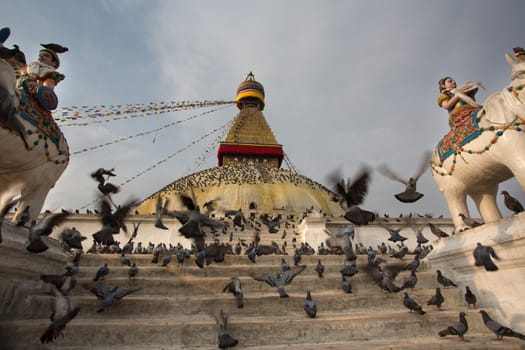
174, 307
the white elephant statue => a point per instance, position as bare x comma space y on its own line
33, 151
473, 160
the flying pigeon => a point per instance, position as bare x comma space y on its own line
225, 339
410, 194
72, 238
63, 313
483, 257
107, 295
160, 209
279, 281
43, 228
351, 194
457, 328
235, 287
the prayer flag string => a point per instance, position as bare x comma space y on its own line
100, 114
144, 133
165, 159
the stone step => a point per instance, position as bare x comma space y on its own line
237, 260
199, 330
169, 282
255, 304
474, 341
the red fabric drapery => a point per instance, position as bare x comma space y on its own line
250, 150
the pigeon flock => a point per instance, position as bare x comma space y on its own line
198, 223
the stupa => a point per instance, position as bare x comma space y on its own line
249, 174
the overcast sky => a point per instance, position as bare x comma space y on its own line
347, 82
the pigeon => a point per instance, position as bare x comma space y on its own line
72, 238
238, 218
133, 270
420, 239
437, 299
297, 257
310, 306
108, 188
112, 221
400, 254
73, 268
98, 175
235, 287
166, 260
470, 297
319, 268
124, 259
395, 236
284, 265
482, 257
439, 233
43, 228
350, 195
411, 281
498, 329
512, 203
342, 240
444, 281
272, 224
469, 221
224, 337
159, 212
194, 220
101, 272
279, 281
346, 286
457, 328
414, 264
349, 268
64, 283
359, 216
63, 313
4, 212
107, 295
410, 194
384, 276
412, 305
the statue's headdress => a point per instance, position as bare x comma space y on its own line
54, 50
519, 52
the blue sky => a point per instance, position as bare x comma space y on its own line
347, 82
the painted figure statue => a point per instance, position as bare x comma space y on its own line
485, 146
34, 150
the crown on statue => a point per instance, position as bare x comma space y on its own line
519, 52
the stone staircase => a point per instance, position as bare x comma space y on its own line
174, 306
